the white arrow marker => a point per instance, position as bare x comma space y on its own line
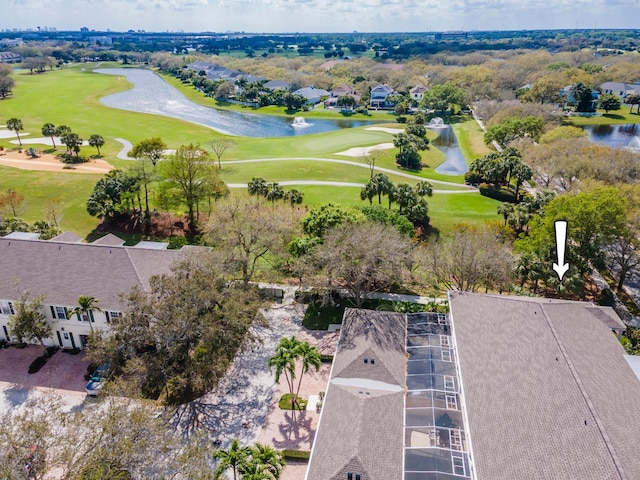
561, 243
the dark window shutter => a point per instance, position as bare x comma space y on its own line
91, 316
53, 312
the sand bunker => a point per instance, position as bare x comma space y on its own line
11, 134
42, 141
49, 163
386, 129
364, 151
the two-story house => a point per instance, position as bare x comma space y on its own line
417, 93
619, 89
63, 270
379, 96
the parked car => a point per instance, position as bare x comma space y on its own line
98, 377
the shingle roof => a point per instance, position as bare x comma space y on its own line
360, 433
544, 383
311, 92
370, 334
361, 426
65, 271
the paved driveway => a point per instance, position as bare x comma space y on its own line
63, 371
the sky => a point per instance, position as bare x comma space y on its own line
319, 15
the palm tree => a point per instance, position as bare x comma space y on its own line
367, 192
49, 130
15, 124
309, 357
505, 209
284, 361
269, 457
423, 188
255, 471
96, 141
257, 186
294, 196
85, 306
274, 192
233, 458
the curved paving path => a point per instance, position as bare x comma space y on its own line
127, 146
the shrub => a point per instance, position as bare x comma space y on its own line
324, 358
500, 194
606, 298
296, 454
472, 177
37, 364
401, 119
285, 402
176, 243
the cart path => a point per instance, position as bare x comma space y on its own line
127, 146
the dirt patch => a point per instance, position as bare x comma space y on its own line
50, 163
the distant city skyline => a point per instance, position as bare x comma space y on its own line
320, 15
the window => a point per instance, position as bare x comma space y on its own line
6, 308
449, 382
444, 341
456, 440
458, 464
112, 316
59, 312
446, 355
452, 402
349, 476
84, 317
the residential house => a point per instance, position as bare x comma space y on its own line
379, 96
567, 94
311, 94
417, 92
10, 57
217, 72
619, 89
339, 91
360, 432
504, 387
277, 85
63, 269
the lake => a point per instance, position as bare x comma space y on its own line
620, 136
446, 141
151, 94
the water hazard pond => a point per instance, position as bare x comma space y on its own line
151, 94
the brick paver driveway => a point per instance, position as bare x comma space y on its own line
63, 371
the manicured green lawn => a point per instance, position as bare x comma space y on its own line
71, 97
617, 117
447, 210
38, 187
471, 140
283, 170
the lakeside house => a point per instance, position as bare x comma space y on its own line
379, 96
277, 85
339, 91
63, 269
311, 94
503, 387
217, 72
417, 92
619, 89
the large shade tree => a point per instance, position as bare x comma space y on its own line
362, 258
